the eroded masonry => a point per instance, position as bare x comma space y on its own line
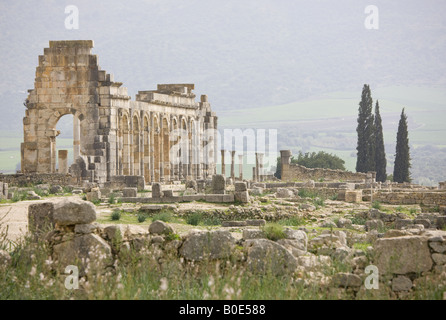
113, 135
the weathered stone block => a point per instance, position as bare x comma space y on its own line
218, 184
40, 217
156, 190
403, 255
74, 211
130, 192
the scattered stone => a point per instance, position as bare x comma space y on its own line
425, 222
439, 247
344, 223
85, 228
234, 224
395, 233
130, 192
401, 283
160, 227
441, 222
201, 245
156, 190
94, 195
82, 250
256, 222
31, 195
73, 211
284, 193
265, 256
40, 218
347, 280
403, 255
374, 225
249, 234
240, 186
307, 207
402, 223
439, 259
77, 191
192, 184
56, 189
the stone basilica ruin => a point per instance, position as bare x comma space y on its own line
113, 136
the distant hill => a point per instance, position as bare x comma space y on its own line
243, 54
258, 60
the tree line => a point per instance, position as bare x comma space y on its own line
371, 155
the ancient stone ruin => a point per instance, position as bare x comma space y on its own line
113, 135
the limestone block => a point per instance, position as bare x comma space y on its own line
74, 211
201, 245
403, 255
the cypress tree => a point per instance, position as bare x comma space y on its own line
365, 160
402, 156
380, 153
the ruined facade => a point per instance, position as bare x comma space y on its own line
113, 135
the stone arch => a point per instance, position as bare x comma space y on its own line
51, 133
124, 143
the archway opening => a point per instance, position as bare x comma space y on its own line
63, 155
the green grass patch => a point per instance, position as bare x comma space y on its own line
274, 231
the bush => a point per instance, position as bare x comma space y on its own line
141, 217
19, 196
376, 205
164, 215
116, 215
274, 231
358, 220
195, 218
111, 199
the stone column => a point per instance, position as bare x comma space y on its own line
240, 166
257, 167
254, 178
63, 161
76, 138
161, 156
233, 166
285, 159
260, 162
223, 168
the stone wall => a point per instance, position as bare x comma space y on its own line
293, 172
428, 198
23, 180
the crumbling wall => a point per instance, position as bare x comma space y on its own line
22, 180
293, 172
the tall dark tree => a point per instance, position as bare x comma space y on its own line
402, 156
380, 153
365, 160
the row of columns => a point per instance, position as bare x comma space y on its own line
257, 170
